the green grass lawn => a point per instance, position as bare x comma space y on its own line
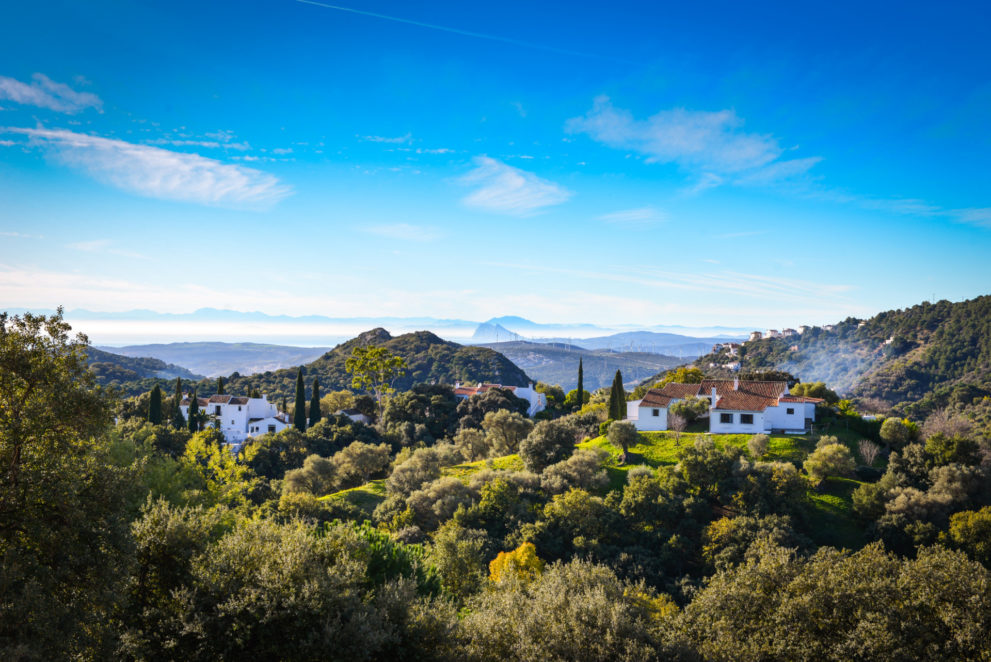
832, 517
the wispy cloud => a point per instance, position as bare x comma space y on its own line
210, 144
105, 246
21, 235
980, 217
641, 216
160, 173
395, 140
404, 232
503, 189
709, 145
465, 33
44, 92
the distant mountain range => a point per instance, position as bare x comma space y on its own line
557, 363
220, 358
139, 327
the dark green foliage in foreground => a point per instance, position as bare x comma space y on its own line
155, 406
315, 416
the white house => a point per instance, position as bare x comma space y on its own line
354, 415
537, 401
756, 335
240, 418
735, 406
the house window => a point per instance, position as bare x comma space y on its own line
790, 411
232, 421
747, 419
239, 407
271, 428
656, 412
726, 418
217, 410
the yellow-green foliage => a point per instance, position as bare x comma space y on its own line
521, 563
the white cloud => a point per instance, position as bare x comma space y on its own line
160, 173
710, 144
104, 246
980, 217
211, 144
21, 235
641, 216
46, 93
404, 232
503, 189
397, 140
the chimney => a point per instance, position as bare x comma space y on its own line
736, 383
714, 397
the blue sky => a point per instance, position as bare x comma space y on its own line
679, 163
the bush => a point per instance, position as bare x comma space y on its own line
830, 460
549, 442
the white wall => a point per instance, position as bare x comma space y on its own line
779, 418
646, 421
736, 427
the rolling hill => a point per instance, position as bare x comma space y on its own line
116, 370
556, 363
222, 358
430, 359
916, 360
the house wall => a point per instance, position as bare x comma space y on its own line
736, 427
647, 422
779, 418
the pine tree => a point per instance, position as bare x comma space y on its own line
194, 409
617, 398
155, 406
581, 384
315, 403
299, 414
220, 386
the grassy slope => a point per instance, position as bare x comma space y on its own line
831, 514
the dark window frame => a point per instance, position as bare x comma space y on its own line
746, 419
726, 418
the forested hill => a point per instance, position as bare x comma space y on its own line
918, 359
430, 360
115, 370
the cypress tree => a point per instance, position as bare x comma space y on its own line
285, 405
177, 421
194, 408
220, 386
315, 403
255, 393
155, 406
581, 384
617, 398
299, 414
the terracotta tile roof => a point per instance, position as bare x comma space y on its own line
800, 398
220, 399
200, 402
239, 401
655, 398
678, 391
481, 388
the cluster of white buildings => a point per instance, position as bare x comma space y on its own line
537, 401
735, 406
240, 418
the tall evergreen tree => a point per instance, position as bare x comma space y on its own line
155, 406
177, 421
617, 398
194, 409
581, 384
220, 386
299, 414
315, 403
255, 393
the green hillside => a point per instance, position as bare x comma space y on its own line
132, 374
556, 363
915, 360
430, 360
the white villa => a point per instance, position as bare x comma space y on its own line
240, 418
537, 401
735, 406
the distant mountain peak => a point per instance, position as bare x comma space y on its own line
372, 337
489, 332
